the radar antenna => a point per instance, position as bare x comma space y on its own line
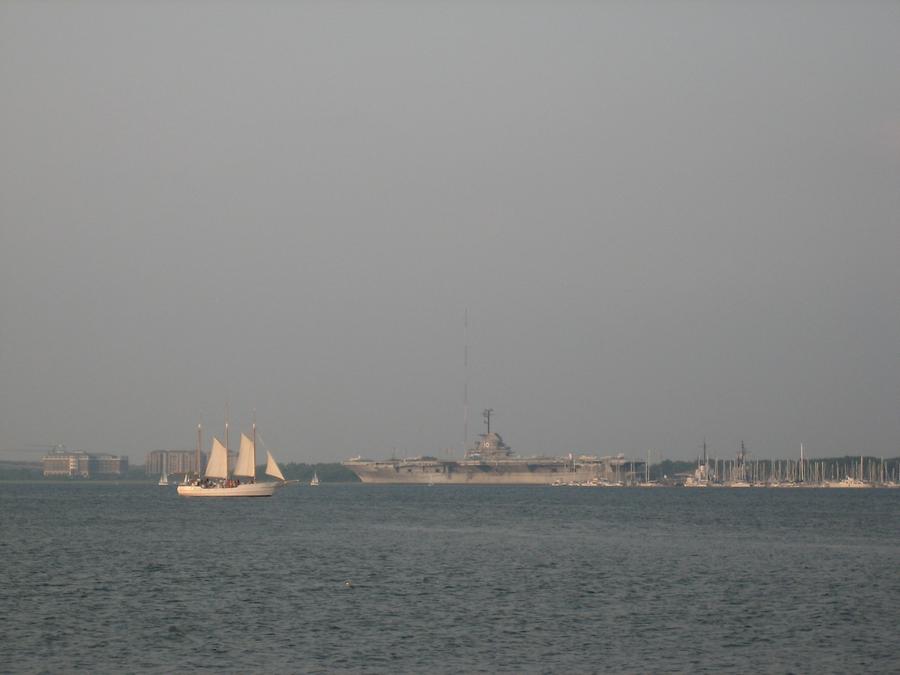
487, 418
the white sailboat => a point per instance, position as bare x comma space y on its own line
217, 483
315, 479
164, 477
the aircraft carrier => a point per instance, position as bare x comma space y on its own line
492, 462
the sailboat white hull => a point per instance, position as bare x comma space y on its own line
243, 490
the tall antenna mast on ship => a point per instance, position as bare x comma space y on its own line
465, 381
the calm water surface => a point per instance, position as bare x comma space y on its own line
131, 578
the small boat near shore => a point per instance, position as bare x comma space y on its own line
164, 476
848, 482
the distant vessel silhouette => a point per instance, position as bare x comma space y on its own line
492, 462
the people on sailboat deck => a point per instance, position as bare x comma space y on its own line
229, 483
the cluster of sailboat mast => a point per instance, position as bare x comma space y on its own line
805, 472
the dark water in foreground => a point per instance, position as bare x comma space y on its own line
113, 578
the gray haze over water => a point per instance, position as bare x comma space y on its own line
667, 220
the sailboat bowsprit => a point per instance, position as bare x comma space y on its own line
217, 483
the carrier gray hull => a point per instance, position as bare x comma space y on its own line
516, 472
492, 462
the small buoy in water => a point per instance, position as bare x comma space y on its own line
348, 584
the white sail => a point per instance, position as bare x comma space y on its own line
272, 468
246, 461
164, 476
217, 466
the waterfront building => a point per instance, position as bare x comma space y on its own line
173, 462
80, 464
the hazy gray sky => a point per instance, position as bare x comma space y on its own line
669, 221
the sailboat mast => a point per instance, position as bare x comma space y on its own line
199, 445
254, 449
226, 439
705, 462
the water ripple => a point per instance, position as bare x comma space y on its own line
102, 577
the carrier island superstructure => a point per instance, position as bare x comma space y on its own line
491, 462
